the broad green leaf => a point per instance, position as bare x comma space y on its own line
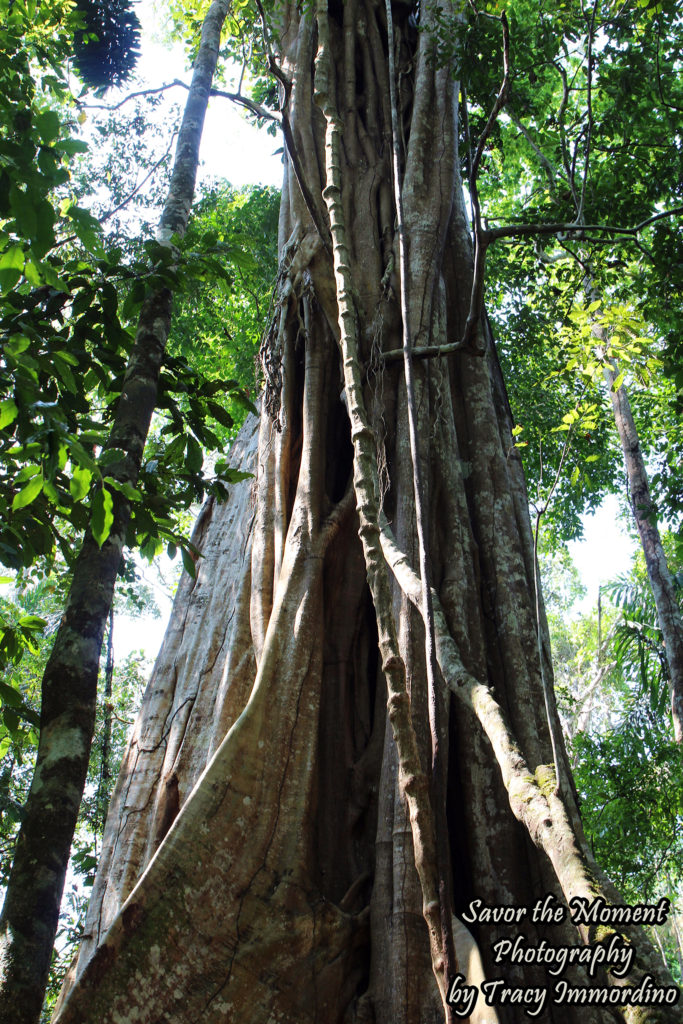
111, 455
17, 344
11, 267
26, 473
128, 491
11, 720
47, 125
234, 476
8, 412
102, 515
10, 696
188, 562
194, 457
81, 456
79, 485
24, 212
28, 493
32, 622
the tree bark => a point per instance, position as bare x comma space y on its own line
291, 884
69, 690
645, 514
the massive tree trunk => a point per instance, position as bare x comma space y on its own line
259, 859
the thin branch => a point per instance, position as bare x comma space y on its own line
543, 159
297, 167
244, 101
273, 65
545, 682
563, 131
235, 97
567, 227
133, 96
150, 173
426, 351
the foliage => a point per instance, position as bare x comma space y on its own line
639, 652
612, 692
630, 780
40, 600
566, 145
107, 47
218, 324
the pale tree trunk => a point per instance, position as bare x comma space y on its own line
69, 689
645, 514
268, 854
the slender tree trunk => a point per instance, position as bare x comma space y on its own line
105, 766
668, 610
31, 910
269, 851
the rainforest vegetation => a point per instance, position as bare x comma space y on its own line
454, 331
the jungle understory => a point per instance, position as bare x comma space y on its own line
293, 826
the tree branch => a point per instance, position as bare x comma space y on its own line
131, 195
571, 227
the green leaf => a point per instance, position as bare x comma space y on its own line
11, 267
222, 415
111, 455
24, 212
10, 696
32, 622
234, 476
79, 485
102, 515
8, 412
72, 146
28, 493
47, 125
11, 720
575, 475
594, 305
194, 457
45, 228
188, 562
81, 456
128, 491
26, 473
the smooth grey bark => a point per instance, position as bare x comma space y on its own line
69, 689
